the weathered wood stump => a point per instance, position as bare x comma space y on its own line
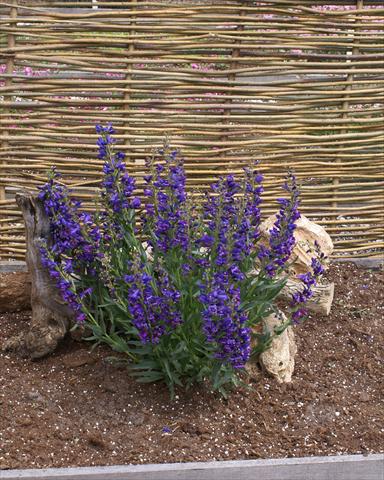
279, 359
306, 233
321, 300
51, 318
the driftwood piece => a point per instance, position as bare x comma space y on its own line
279, 359
306, 233
51, 318
321, 300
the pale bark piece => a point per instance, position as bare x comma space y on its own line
321, 300
279, 359
51, 318
306, 233
15, 292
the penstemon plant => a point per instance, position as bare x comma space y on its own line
176, 285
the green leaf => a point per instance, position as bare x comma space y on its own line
144, 365
155, 377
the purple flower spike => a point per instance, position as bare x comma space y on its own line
117, 186
224, 323
281, 239
309, 280
154, 311
166, 210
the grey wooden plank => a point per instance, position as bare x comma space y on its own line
12, 266
375, 263
348, 467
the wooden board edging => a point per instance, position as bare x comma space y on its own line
343, 467
12, 266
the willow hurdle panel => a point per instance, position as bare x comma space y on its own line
291, 84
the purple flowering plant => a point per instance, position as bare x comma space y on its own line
175, 284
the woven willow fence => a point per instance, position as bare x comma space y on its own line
288, 83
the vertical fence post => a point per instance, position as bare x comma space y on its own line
128, 76
232, 78
11, 42
345, 104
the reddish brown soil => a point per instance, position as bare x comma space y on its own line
74, 408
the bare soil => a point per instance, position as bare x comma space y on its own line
76, 409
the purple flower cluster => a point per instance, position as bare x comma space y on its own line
166, 209
105, 140
68, 238
309, 279
221, 212
233, 224
232, 232
192, 279
118, 186
153, 305
93, 231
224, 323
281, 239
75, 243
247, 229
65, 286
